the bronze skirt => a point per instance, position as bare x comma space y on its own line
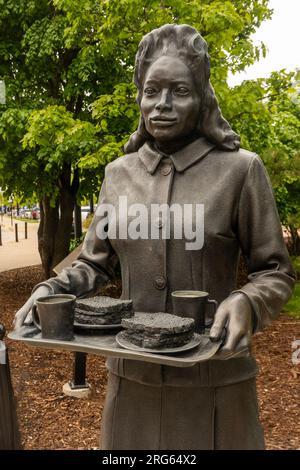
138, 416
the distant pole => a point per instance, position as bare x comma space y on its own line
0, 235
79, 372
92, 205
16, 232
11, 217
78, 387
26, 234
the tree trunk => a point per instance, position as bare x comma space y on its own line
64, 228
294, 242
77, 221
55, 227
46, 233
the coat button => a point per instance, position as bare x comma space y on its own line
166, 169
160, 282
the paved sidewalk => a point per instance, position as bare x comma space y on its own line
18, 254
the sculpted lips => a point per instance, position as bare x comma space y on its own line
163, 121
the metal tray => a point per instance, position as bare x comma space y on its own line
104, 344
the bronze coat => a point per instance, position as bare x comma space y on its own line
239, 214
211, 405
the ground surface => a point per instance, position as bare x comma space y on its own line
50, 420
22, 253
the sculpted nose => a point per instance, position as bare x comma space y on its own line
165, 102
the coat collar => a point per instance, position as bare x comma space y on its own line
182, 159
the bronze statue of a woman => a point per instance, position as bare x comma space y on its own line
185, 152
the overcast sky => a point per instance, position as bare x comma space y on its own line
281, 35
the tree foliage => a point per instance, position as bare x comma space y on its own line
71, 105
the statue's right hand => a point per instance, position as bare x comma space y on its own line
24, 316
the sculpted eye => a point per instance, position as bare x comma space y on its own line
181, 90
150, 91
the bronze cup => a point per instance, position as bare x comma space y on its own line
54, 316
193, 304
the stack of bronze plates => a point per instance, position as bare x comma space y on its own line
102, 310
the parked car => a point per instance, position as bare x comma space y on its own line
29, 212
35, 213
22, 213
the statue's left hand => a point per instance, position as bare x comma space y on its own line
234, 316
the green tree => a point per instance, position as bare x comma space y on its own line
266, 113
282, 158
58, 57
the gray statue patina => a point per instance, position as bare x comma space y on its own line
185, 152
9, 430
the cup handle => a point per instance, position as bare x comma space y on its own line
35, 317
215, 303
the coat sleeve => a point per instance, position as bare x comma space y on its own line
270, 273
95, 263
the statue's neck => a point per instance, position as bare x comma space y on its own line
172, 146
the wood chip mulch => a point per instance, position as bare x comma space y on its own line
50, 420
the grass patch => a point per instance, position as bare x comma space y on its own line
23, 219
292, 308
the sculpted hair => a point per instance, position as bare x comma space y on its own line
185, 43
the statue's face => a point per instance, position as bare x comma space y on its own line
170, 102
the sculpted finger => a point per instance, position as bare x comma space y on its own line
20, 317
218, 324
28, 320
22, 313
232, 340
244, 344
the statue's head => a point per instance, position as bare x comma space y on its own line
175, 96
